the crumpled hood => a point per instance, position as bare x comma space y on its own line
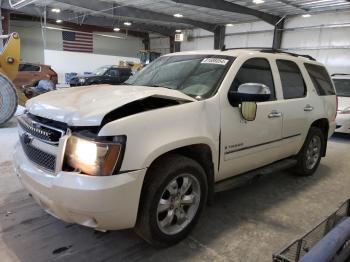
87, 105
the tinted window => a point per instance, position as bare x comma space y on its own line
125, 72
293, 84
321, 80
255, 70
28, 68
342, 86
113, 72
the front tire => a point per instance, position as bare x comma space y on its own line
310, 155
173, 196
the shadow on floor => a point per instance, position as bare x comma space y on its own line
341, 137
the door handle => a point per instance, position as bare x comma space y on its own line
274, 114
308, 108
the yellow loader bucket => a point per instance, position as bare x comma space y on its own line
9, 63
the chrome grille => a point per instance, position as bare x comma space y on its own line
38, 156
40, 131
31, 131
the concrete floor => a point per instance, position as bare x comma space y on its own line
245, 224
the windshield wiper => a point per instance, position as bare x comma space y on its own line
154, 85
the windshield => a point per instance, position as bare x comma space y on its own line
342, 86
198, 76
100, 71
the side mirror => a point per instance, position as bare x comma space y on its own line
249, 92
246, 97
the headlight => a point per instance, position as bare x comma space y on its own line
345, 111
94, 157
82, 80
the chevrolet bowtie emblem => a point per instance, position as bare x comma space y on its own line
27, 139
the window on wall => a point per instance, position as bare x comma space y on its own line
321, 80
293, 83
255, 70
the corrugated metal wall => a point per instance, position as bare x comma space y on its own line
326, 36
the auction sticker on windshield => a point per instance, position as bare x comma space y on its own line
215, 61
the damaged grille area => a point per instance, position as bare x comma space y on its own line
31, 130
40, 131
38, 156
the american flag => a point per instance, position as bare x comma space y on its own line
77, 41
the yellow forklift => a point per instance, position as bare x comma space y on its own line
9, 63
146, 57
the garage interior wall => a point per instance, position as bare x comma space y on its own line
324, 36
32, 46
159, 43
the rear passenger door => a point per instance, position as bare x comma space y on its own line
296, 106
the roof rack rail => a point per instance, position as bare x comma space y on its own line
340, 74
236, 48
269, 50
279, 51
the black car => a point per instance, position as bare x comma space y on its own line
103, 75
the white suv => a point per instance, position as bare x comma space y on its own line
342, 85
151, 153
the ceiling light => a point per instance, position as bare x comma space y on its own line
229, 24
58, 21
178, 31
55, 10
258, 1
127, 23
178, 15
117, 29
306, 15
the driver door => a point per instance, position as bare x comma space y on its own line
247, 145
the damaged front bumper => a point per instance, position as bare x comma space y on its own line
102, 203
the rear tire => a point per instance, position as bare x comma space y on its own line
8, 99
173, 196
310, 155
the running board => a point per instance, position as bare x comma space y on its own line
240, 180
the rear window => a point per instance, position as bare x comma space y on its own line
28, 68
321, 80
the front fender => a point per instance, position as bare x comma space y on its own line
159, 151
153, 133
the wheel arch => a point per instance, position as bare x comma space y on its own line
322, 124
201, 153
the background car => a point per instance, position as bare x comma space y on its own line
103, 75
30, 74
342, 85
42, 87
